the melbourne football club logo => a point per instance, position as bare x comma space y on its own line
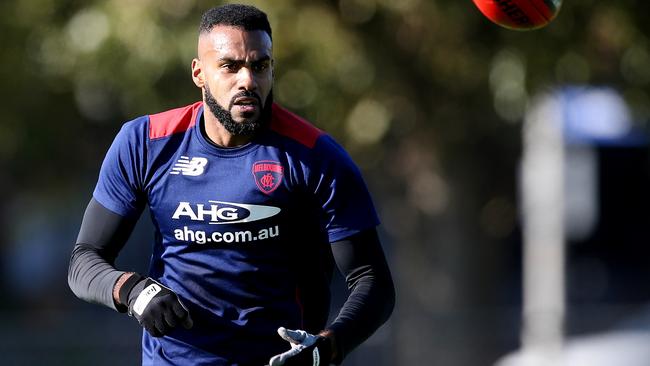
189, 166
268, 175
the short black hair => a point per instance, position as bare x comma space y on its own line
246, 17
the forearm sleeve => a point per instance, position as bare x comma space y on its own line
370, 303
92, 274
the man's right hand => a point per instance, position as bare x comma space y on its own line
156, 307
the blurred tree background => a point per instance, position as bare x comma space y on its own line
427, 95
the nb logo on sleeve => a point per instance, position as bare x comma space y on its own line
189, 166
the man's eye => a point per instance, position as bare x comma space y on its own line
229, 67
260, 67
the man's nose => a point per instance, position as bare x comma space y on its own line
246, 79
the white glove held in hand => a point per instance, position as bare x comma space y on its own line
306, 349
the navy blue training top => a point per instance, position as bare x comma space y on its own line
234, 227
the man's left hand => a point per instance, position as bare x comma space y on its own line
306, 349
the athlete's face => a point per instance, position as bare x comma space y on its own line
235, 71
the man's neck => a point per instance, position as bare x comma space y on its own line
218, 135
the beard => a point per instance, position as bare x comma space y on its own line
247, 127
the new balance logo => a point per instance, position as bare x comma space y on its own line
189, 166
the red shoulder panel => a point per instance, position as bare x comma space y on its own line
176, 120
290, 125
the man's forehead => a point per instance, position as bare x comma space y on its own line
228, 39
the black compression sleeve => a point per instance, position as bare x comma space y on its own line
92, 275
372, 295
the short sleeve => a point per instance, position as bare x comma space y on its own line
341, 192
120, 184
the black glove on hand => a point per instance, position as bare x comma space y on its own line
156, 307
306, 349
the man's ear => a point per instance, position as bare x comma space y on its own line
197, 73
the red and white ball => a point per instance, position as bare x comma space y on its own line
520, 14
